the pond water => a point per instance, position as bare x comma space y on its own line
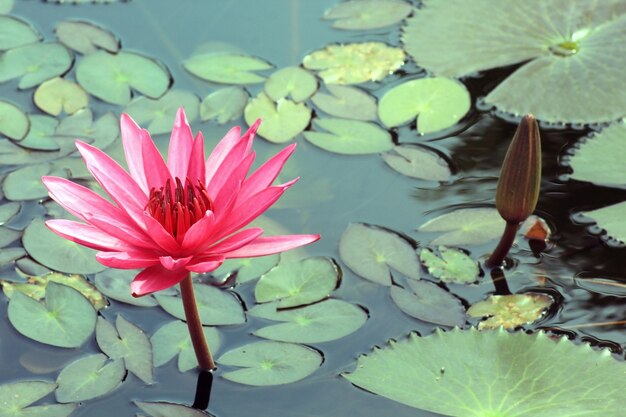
334, 191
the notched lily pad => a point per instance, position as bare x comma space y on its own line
355, 63
270, 363
35, 63
282, 121
349, 137
41, 134
224, 105
16, 32
418, 162
8, 210
89, 377
226, 67
86, 37
346, 102
14, 122
100, 133
470, 226
372, 252
510, 311
291, 81
159, 113
452, 265
57, 95
16, 397
367, 14
115, 284
428, 302
25, 183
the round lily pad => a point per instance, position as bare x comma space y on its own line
281, 121
6, 6
346, 102
298, 283
35, 63
367, 14
89, 377
471, 226
452, 265
100, 133
65, 319
224, 105
160, 113
270, 363
316, 323
15, 33
25, 183
110, 77
115, 284
14, 122
17, 396
57, 95
428, 302
296, 82
418, 162
227, 68
86, 37
372, 252
58, 253
510, 311
438, 103
355, 63
350, 137
41, 134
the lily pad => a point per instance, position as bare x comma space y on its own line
6, 6
346, 102
510, 311
282, 121
611, 219
215, 307
8, 210
298, 283
128, 343
25, 183
16, 33
316, 323
57, 95
8, 255
172, 339
367, 14
248, 269
8, 236
372, 252
568, 53
495, 373
438, 103
41, 134
17, 396
428, 302
160, 113
89, 377
101, 133
227, 68
355, 63
111, 77
35, 63
418, 162
14, 122
350, 137
115, 284
224, 105
270, 363
296, 82
65, 319
58, 253
85, 37
163, 409
452, 265
470, 226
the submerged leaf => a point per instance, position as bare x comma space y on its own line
282, 121
417, 162
453, 265
367, 14
428, 302
510, 311
349, 137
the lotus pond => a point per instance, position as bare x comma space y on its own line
402, 112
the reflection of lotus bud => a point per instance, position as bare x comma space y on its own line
520, 178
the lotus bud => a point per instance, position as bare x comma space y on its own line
520, 179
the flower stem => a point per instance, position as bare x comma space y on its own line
200, 346
506, 241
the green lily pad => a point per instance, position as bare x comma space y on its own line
367, 14
129, 344
41, 134
438, 103
298, 283
111, 77
58, 253
495, 373
115, 284
14, 122
224, 105
355, 63
6, 6
471, 226
16, 33
100, 133
89, 377
452, 265
316, 323
65, 319
57, 95
215, 307
418, 162
27, 266
163, 409
597, 159
350, 137
85, 37
510, 311
270, 363
17, 396
172, 339
611, 219
25, 183
35, 63
226, 68
8, 210
428, 302
8, 236
8, 255
281, 121
160, 113
346, 102
371, 252
12, 154
35, 287
568, 54
296, 82
248, 269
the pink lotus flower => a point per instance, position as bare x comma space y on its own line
170, 219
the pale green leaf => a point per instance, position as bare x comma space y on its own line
611, 219
227, 68
418, 162
224, 105
34, 63
159, 114
86, 37
296, 82
14, 122
163, 409
510, 311
367, 14
57, 95
471, 226
15, 32
115, 284
452, 265
25, 183
281, 121
17, 396
428, 302
89, 377
350, 137
346, 102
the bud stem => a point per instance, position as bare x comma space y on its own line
200, 346
506, 241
